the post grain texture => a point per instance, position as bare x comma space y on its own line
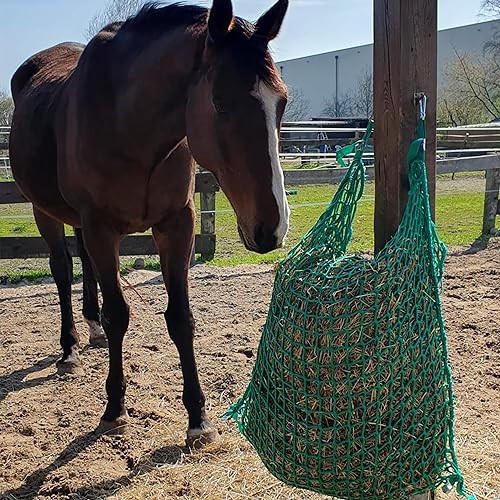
207, 209
405, 62
491, 202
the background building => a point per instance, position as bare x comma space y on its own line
331, 76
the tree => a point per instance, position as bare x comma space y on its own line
363, 95
115, 10
6, 109
297, 107
357, 102
471, 93
491, 8
454, 111
338, 107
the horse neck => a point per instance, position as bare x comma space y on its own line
154, 102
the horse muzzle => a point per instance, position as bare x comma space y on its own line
263, 239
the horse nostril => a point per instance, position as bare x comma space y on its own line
265, 239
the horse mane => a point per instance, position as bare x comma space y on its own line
158, 17
155, 18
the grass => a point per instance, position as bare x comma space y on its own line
459, 207
34, 270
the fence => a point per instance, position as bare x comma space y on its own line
23, 247
315, 142
490, 164
473, 142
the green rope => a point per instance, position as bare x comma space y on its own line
351, 392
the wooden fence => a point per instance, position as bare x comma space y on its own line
206, 186
447, 139
34, 246
460, 138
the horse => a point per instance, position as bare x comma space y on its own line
105, 138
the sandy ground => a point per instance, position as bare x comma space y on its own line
48, 448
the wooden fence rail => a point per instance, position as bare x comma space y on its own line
206, 186
447, 138
24, 247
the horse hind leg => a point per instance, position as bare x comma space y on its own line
91, 313
61, 266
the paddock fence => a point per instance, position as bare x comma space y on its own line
23, 247
459, 151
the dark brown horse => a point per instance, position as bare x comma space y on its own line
100, 140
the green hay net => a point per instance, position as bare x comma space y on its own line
351, 392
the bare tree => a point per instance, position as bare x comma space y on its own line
490, 8
297, 107
471, 92
338, 107
358, 101
477, 79
115, 10
454, 111
363, 95
6, 109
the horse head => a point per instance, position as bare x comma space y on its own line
233, 116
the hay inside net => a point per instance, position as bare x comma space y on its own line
351, 394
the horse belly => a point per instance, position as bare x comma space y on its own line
131, 199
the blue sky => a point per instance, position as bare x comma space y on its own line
311, 26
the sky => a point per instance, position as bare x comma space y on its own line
311, 26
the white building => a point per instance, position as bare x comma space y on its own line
322, 77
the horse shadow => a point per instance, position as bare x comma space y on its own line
167, 455
33, 483
14, 381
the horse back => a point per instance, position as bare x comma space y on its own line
42, 74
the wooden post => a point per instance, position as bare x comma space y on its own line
491, 202
207, 204
405, 62
193, 257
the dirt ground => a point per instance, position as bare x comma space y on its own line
48, 448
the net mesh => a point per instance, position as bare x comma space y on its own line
351, 393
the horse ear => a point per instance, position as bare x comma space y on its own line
269, 24
219, 20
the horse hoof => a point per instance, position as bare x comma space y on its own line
117, 427
206, 434
97, 337
98, 341
71, 366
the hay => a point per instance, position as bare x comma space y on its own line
336, 363
351, 392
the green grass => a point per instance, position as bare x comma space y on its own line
32, 270
459, 207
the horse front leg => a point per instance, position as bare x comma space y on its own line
174, 239
102, 245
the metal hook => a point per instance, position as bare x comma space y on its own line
421, 99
